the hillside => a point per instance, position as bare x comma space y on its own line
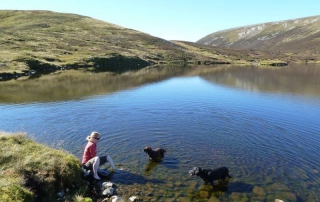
67, 39
299, 38
34, 41
44, 40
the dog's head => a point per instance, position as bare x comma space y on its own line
194, 171
147, 149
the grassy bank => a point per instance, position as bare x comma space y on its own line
30, 171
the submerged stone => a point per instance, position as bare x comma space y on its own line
259, 191
213, 199
278, 187
239, 197
204, 194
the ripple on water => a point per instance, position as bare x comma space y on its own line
268, 141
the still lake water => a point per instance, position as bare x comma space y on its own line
262, 123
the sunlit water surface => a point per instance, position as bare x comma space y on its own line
266, 133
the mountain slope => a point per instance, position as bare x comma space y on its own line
48, 40
67, 39
297, 36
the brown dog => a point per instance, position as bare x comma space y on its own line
156, 154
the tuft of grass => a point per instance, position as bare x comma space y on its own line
31, 170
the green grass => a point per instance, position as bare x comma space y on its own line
68, 38
61, 39
29, 169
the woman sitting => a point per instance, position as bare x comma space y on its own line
92, 162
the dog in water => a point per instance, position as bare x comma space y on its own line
156, 154
210, 175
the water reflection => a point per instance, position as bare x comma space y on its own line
293, 79
149, 167
71, 84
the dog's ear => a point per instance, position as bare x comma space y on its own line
147, 149
197, 170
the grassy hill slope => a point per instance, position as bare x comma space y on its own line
50, 40
298, 38
44, 40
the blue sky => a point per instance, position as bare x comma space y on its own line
187, 20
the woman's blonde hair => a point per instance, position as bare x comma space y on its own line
93, 135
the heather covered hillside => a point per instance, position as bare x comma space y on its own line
298, 38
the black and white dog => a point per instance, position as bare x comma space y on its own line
210, 175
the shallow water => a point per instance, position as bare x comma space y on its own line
262, 123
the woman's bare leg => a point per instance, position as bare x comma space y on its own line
111, 163
95, 166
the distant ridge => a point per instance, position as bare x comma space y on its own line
295, 35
